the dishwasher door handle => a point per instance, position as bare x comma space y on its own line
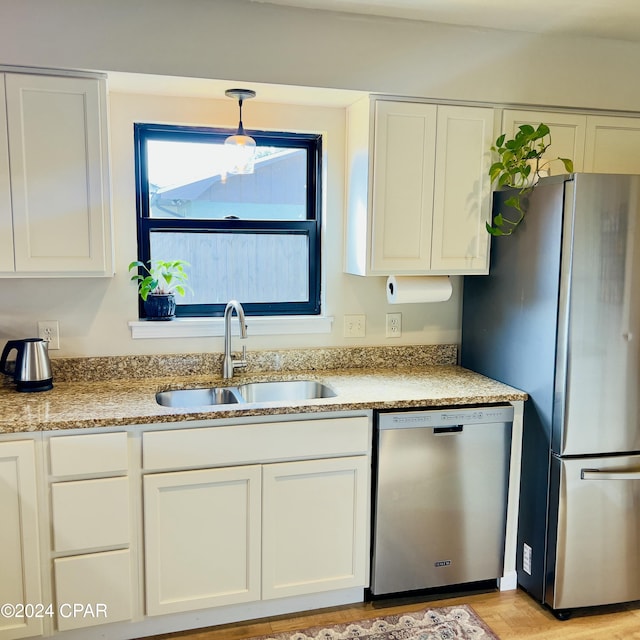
597, 474
447, 431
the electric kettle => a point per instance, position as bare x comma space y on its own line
33, 367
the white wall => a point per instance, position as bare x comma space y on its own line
245, 41
93, 313
253, 41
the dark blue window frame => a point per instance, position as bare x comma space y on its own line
309, 227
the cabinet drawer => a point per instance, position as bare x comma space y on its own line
99, 580
90, 513
95, 453
251, 443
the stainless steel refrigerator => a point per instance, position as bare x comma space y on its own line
558, 316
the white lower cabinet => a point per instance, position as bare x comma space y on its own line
314, 526
91, 530
286, 516
19, 543
202, 538
93, 589
230, 520
240, 534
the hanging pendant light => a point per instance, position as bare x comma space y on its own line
241, 147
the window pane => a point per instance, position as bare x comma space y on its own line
245, 266
188, 180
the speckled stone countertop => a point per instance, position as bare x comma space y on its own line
129, 400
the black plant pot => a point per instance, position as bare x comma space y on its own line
160, 306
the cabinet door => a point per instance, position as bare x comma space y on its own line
58, 165
87, 514
567, 135
100, 586
202, 538
19, 549
612, 145
315, 533
6, 221
403, 175
462, 199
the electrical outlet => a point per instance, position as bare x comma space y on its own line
49, 331
354, 326
394, 325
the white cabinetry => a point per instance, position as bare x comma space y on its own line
19, 543
312, 538
91, 528
202, 538
567, 135
261, 525
6, 221
595, 143
419, 193
612, 145
55, 216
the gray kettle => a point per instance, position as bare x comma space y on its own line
33, 367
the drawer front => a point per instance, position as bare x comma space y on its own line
100, 583
89, 514
95, 453
256, 443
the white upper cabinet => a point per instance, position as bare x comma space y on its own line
567, 135
58, 169
6, 222
595, 143
418, 186
612, 145
462, 198
403, 177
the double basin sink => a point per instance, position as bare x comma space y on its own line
281, 391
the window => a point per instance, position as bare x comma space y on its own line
254, 238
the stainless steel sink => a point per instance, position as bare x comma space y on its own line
281, 391
285, 391
198, 397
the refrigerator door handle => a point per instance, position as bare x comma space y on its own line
598, 474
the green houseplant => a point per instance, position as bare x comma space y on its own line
158, 282
520, 163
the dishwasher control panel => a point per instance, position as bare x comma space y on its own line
445, 417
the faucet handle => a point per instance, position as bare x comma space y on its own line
240, 363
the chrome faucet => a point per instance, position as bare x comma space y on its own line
230, 364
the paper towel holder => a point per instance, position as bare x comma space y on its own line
418, 289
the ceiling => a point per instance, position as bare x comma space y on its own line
618, 19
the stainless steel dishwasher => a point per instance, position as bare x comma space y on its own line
440, 497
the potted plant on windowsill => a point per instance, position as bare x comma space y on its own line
157, 285
520, 165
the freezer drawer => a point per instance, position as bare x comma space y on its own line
440, 498
593, 555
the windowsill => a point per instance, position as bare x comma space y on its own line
205, 327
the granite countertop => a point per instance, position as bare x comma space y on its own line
124, 401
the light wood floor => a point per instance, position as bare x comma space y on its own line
511, 615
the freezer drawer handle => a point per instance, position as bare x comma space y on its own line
597, 474
447, 431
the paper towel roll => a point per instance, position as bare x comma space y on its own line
406, 289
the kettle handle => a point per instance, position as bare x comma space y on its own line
11, 344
